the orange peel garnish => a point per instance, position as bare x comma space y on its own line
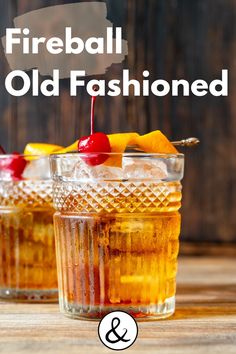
155, 142
119, 143
40, 149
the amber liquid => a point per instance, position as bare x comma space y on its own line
27, 254
121, 261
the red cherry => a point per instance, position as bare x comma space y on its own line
97, 142
15, 164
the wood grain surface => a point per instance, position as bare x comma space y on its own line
204, 322
173, 40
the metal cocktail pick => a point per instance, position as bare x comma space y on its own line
189, 142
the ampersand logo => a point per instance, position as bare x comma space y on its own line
118, 330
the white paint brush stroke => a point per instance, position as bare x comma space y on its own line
86, 20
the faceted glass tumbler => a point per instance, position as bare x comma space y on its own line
117, 231
27, 245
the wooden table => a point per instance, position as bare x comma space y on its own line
205, 319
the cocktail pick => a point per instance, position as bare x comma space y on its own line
189, 142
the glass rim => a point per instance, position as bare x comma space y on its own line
79, 154
27, 156
114, 154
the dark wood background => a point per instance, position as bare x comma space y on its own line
172, 39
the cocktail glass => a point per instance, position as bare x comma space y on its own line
117, 230
27, 244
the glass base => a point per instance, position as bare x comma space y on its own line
30, 295
150, 312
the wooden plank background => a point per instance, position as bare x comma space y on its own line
172, 39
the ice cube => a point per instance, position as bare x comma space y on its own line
144, 168
83, 171
37, 169
5, 172
107, 172
5, 175
80, 171
132, 168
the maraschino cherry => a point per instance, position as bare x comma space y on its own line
17, 165
14, 164
94, 143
